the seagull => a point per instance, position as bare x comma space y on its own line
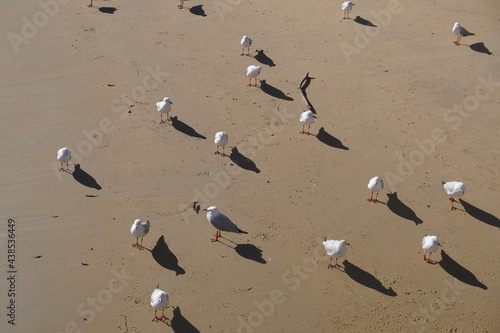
253, 72
376, 184
460, 32
346, 8
307, 118
64, 156
221, 140
159, 301
221, 222
139, 229
246, 42
164, 106
335, 249
454, 190
430, 244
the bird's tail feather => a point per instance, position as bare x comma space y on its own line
242, 232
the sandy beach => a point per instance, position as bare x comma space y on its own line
393, 96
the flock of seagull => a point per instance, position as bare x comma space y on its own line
334, 248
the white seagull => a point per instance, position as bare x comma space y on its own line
221, 140
454, 190
346, 8
253, 72
460, 32
221, 222
376, 184
430, 244
64, 156
307, 118
139, 229
159, 301
246, 42
335, 249
164, 106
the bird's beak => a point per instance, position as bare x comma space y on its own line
206, 210
348, 244
439, 244
171, 102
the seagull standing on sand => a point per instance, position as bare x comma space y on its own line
430, 244
246, 42
376, 184
159, 301
454, 190
221, 140
253, 72
307, 118
335, 249
346, 8
64, 156
460, 32
139, 229
221, 222
164, 106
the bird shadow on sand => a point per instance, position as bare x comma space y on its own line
363, 277
264, 59
480, 48
84, 178
363, 21
198, 10
165, 257
185, 128
480, 214
180, 324
108, 10
399, 208
459, 272
306, 81
247, 251
329, 139
242, 161
273, 91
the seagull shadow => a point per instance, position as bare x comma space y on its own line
264, 59
185, 128
165, 257
247, 251
480, 47
197, 10
329, 139
84, 178
480, 214
242, 161
303, 86
363, 277
180, 324
273, 91
459, 272
362, 21
108, 10
399, 208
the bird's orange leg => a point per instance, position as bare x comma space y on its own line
371, 198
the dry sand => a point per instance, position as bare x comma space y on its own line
84, 69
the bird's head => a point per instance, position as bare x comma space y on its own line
212, 209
